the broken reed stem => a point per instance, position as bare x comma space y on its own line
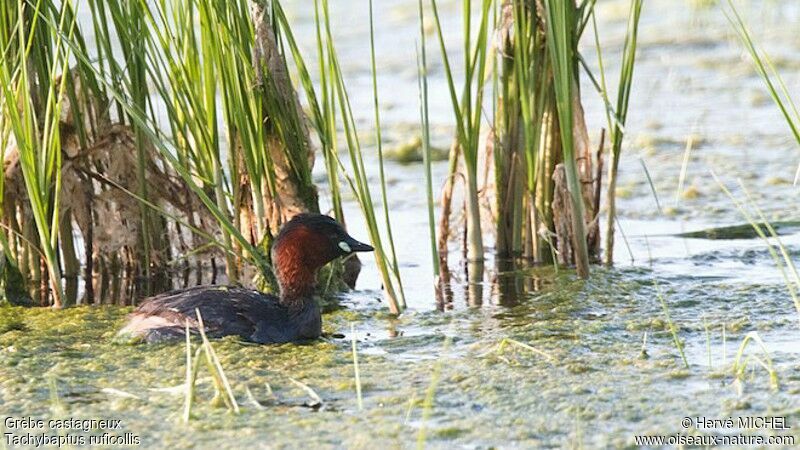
216, 367
446, 211
192, 368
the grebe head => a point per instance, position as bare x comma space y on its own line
305, 244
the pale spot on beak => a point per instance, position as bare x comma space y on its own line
345, 247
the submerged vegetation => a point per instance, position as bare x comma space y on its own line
416, 389
149, 145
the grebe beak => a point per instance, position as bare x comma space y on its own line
350, 245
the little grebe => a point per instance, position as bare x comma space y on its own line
305, 244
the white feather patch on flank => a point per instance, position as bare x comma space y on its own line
141, 324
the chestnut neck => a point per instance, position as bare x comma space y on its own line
296, 269
297, 284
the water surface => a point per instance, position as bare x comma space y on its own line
604, 365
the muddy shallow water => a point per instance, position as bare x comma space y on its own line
602, 365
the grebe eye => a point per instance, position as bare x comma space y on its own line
345, 246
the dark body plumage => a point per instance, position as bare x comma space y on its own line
226, 310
